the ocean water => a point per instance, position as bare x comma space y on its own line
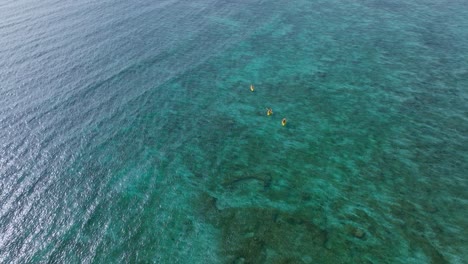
128, 133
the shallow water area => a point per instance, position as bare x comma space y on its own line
129, 133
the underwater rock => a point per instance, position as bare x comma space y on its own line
359, 233
264, 181
431, 209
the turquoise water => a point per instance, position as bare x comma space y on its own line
128, 133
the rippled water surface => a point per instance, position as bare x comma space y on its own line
129, 134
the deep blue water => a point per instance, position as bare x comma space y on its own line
129, 134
